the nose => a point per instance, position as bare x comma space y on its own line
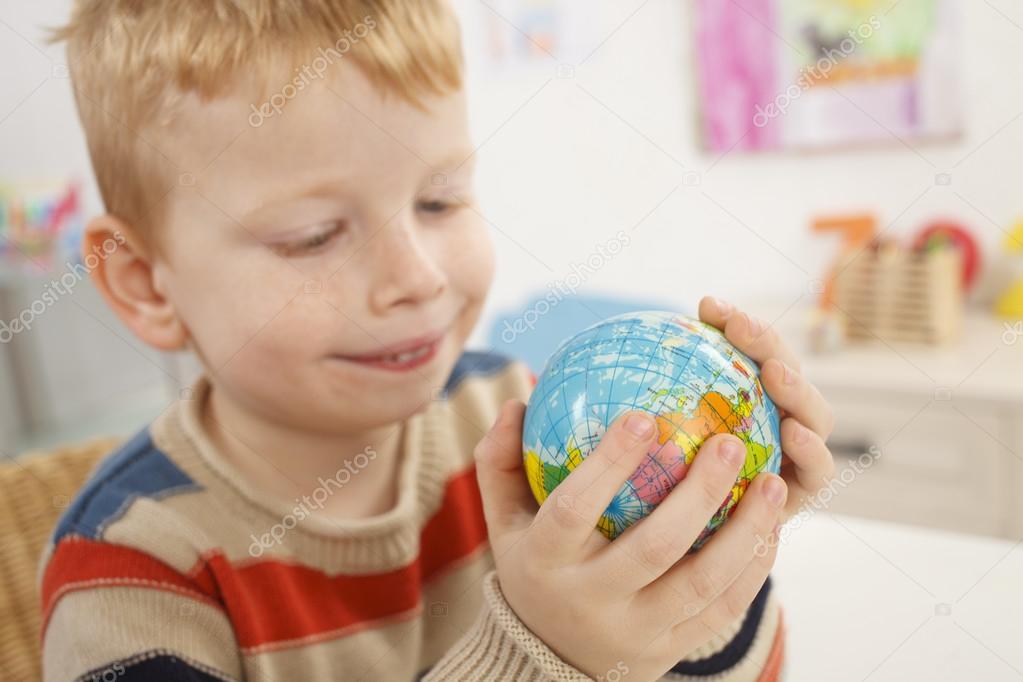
407, 273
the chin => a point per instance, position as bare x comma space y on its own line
402, 396
382, 413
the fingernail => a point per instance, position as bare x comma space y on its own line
755, 326
790, 376
732, 451
800, 434
639, 424
775, 491
724, 308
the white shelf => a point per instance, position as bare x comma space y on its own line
944, 423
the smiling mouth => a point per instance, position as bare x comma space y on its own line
402, 357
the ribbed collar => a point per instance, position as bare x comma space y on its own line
381, 541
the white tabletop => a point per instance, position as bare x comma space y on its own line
981, 364
870, 601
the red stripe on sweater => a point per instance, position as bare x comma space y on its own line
776, 657
271, 603
457, 529
80, 563
330, 606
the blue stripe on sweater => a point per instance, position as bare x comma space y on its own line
733, 653
475, 363
737, 649
150, 667
137, 469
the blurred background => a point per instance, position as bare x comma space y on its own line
846, 170
645, 154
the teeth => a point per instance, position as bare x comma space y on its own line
409, 355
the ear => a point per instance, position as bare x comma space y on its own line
128, 276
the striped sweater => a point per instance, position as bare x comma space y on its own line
167, 566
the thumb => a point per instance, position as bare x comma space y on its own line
508, 503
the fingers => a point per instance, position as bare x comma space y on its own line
653, 545
569, 516
698, 580
791, 392
508, 503
814, 463
752, 336
758, 340
715, 312
730, 606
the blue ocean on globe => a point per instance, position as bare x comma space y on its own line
682, 371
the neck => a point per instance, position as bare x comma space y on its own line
289, 463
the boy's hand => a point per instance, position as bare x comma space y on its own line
807, 419
637, 601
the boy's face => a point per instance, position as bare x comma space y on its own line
312, 245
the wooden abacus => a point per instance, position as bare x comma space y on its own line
896, 295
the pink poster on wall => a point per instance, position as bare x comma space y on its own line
807, 74
737, 72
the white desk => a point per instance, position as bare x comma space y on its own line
872, 601
946, 424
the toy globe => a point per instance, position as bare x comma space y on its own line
683, 372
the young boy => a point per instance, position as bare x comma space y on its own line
341, 495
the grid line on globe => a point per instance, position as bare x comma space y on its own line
686, 374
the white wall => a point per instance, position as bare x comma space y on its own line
565, 170
10, 416
84, 370
566, 173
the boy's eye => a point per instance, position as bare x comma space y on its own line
435, 205
314, 242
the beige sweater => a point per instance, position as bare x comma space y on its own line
167, 566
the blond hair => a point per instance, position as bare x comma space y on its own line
132, 59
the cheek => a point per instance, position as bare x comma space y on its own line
471, 260
237, 309
225, 287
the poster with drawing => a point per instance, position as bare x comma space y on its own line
524, 33
820, 74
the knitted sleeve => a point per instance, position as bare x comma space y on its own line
499, 647
112, 612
